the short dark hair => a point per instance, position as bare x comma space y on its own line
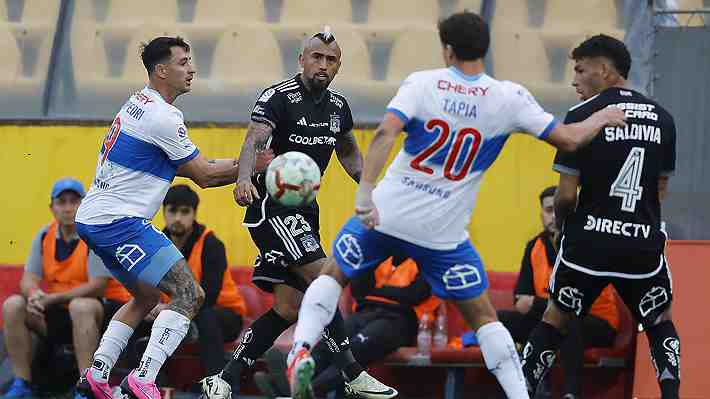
467, 34
159, 50
548, 192
181, 195
608, 47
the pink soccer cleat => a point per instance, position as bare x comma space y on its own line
92, 389
137, 389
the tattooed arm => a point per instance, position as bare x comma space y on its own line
349, 155
258, 135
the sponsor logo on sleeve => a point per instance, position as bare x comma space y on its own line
266, 96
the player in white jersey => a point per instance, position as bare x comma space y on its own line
457, 120
145, 148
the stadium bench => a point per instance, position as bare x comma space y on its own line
455, 362
458, 371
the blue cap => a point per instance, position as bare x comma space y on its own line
65, 184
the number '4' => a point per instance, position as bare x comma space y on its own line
628, 183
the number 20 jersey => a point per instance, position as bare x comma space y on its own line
456, 126
618, 210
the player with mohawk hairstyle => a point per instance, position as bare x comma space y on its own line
299, 114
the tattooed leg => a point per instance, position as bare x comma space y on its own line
171, 325
184, 291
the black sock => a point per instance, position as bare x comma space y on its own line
339, 344
665, 353
257, 339
539, 354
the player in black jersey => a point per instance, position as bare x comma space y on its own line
612, 232
298, 114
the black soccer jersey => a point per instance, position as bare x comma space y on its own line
618, 209
300, 122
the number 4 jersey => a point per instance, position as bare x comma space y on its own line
618, 211
456, 126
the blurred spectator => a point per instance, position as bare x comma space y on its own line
221, 316
598, 329
388, 301
66, 311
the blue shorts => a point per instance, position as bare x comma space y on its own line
455, 274
132, 249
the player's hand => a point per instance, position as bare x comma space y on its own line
263, 159
245, 193
35, 308
612, 116
365, 208
524, 303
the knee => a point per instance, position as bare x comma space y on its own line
85, 309
288, 311
663, 317
14, 306
556, 318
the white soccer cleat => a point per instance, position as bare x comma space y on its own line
214, 387
367, 387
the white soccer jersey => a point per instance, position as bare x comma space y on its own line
137, 161
456, 126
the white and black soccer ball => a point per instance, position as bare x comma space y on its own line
214, 387
293, 179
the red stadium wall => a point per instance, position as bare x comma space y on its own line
690, 264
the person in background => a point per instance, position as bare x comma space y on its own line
67, 310
220, 318
388, 298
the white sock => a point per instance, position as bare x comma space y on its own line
113, 342
169, 328
317, 311
502, 359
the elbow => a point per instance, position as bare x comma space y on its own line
204, 182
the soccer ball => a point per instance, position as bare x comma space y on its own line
293, 179
214, 387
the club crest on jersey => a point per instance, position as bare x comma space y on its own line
310, 244
335, 123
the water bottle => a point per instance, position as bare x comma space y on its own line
441, 330
424, 337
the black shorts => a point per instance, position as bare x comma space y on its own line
646, 296
285, 241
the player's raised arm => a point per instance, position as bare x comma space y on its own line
570, 137
209, 173
219, 172
385, 135
258, 135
